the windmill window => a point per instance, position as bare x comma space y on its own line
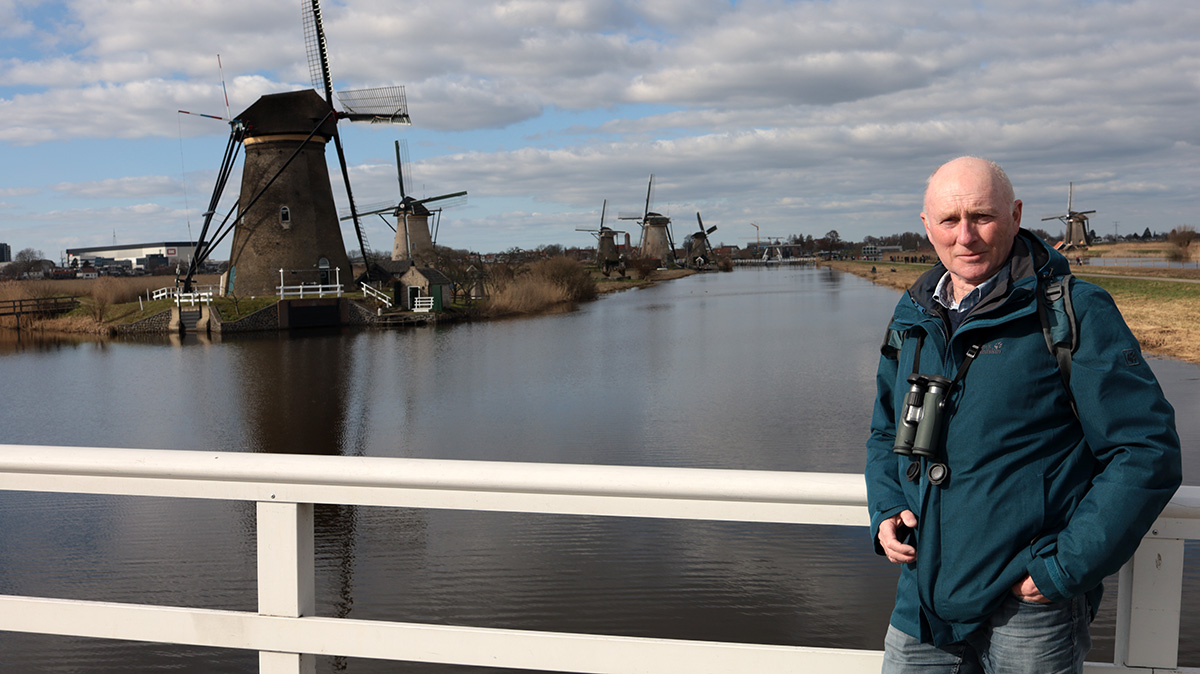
285, 217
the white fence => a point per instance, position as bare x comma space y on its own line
200, 293
287, 634
423, 304
303, 291
377, 295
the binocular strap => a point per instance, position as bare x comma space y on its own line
938, 471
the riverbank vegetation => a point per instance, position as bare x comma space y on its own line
537, 287
1164, 314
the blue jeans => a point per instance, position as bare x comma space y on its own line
1019, 638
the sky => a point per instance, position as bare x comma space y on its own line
800, 117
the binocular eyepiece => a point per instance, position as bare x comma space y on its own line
918, 427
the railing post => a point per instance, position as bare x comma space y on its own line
1148, 600
286, 585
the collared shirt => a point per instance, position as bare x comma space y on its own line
943, 294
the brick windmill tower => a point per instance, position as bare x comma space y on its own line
413, 240
657, 243
286, 221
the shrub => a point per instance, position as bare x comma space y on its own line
567, 274
538, 287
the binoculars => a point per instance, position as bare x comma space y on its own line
918, 427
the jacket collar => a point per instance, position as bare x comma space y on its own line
1030, 259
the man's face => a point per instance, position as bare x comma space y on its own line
969, 222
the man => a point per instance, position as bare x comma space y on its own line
1023, 491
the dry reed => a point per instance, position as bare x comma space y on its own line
542, 286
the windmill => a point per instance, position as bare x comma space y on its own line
656, 241
286, 219
413, 240
699, 250
608, 256
1077, 233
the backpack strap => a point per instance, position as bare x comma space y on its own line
893, 340
1058, 325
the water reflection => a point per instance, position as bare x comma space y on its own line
759, 369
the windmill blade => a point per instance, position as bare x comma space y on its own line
201, 114
373, 209
358, 228
380, 105
630, 215
699, 221
1084, 212
1056, 217
405, 181
452, 195
710, 230
314, 45
646, 211
603, 209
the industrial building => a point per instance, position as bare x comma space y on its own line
143, 256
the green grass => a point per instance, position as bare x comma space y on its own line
1140, 289
232, 311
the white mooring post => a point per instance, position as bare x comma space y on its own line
286, 585
1148, 602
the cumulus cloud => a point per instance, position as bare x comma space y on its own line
799, 116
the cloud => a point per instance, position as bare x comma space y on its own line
122, 188
799, 116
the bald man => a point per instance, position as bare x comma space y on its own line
1004, 486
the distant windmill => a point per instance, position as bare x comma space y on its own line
699, 250
608, 255
656, 241
1077, 233
286, 215
413, 240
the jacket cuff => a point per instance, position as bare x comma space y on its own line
1049, 577
880, 516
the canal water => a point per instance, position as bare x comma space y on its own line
758, 369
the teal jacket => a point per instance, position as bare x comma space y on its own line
1032, 488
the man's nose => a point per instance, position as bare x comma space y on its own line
967, 232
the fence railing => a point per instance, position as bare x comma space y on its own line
377, 295
166, 293
42, 305
423, 304
288, 635
303, 291
192, 299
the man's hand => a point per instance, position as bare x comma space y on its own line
892, 531
1027, 590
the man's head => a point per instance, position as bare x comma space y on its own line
971, 218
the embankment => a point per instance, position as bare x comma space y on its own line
1162, 308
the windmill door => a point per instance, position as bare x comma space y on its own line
323, 266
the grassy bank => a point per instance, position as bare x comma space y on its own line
103, 303
1162, 314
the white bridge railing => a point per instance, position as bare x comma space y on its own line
192, 299
302, 290
198, 291
288, 635
377, 295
